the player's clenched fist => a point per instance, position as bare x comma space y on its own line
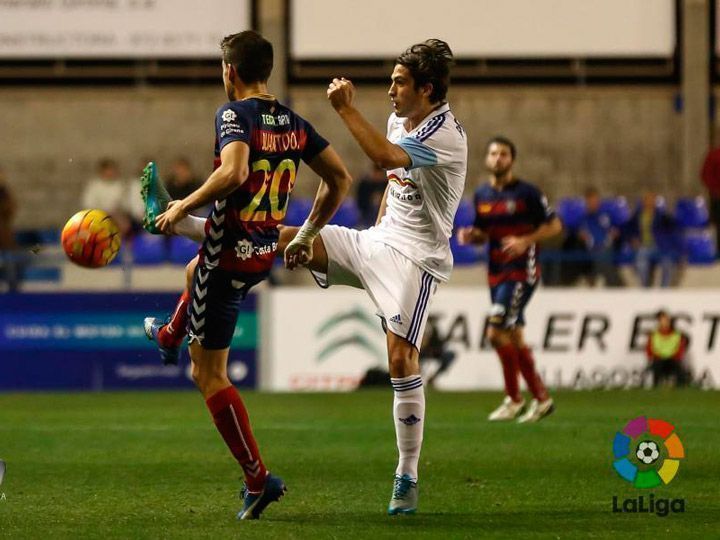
341, 92
299, 251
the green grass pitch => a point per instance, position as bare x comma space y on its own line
151, 465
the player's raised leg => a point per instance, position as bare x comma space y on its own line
409, 418
170, 334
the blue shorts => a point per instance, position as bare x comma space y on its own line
214, 306
508, 303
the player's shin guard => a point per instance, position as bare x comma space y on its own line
409, 415
173, 333
233, 423
531, 376
509, 357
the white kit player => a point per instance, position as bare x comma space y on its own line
400, 260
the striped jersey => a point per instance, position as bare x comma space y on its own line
241, 231
518, 208
422, 199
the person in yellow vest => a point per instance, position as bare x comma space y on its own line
666, 348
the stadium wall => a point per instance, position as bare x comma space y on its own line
619, 138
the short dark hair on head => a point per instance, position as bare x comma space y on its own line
499, 139
250, 54
591, 191
429, 63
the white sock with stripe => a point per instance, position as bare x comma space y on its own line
409, 416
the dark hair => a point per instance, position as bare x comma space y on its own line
429, 63
499, 139
662, 313
250, 54
591, 191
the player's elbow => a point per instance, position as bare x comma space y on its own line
236, 176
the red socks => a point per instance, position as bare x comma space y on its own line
509, 359
532, 378
231, 419
173, 333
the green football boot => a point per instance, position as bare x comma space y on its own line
155, 197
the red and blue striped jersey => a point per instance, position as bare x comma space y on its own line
241, 232
517, 209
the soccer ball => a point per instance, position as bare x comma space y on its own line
647, 452
91, 238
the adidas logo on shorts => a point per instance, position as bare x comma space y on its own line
396, 319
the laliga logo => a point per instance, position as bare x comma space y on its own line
647, 454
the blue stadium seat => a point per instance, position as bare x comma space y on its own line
700, 248
149, 249
182, 249
691, 212
465, 215
298, 211
571, 211
465, 255
347, 215
618, 209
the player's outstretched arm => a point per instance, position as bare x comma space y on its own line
382, 152
333, 188
230, 175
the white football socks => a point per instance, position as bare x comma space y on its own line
192, 227
409, 416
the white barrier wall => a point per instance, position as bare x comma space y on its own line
317, 339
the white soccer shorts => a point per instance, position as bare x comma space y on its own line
399, 288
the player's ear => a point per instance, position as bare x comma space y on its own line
427, 90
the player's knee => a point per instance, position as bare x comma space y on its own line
401, 365
208, 378
496, 336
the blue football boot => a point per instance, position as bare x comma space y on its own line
405, 496
255, 503
169, 355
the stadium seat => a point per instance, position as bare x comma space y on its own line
571, 211
465, 255
465, 215
347, 215
149, 249
298, 211
618, 209
182, 249
691, 213
700, 248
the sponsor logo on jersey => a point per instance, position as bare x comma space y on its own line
402, 182
229, 115
244, 249
396, 319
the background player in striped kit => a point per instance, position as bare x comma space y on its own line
513, 216
400, 261
259, 145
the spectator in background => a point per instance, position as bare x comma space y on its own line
711, 179
666, 348
599, 236
9, 267
656, 240
107, 191
182, 181
370, 193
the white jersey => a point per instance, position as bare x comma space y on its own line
422, 200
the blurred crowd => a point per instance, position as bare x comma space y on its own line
604, 237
